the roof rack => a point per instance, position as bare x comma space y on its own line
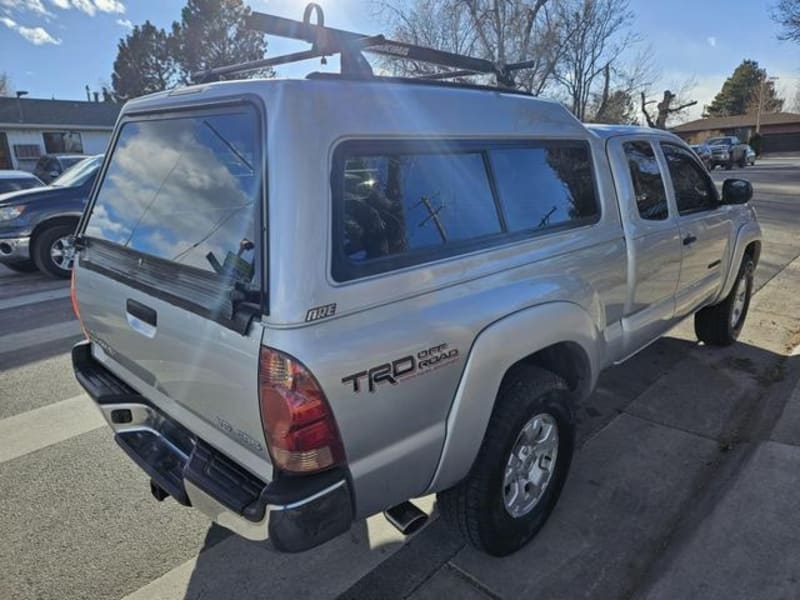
327, 41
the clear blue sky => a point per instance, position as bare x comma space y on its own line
53, 48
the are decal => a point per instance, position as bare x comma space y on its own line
402, 369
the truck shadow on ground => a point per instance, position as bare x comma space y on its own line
676, 402
231, 567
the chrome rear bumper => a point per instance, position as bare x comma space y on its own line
294, 513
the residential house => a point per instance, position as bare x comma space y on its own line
780, 132
30, 127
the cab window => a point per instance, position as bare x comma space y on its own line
694, 190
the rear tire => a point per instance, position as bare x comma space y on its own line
721, 324
21, 267
531, 403
53, 252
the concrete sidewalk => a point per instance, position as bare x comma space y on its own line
690, 491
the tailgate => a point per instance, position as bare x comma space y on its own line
169, 279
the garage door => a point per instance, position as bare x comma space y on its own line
780, 142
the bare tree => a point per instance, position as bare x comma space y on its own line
787, 14
502, 31
5, 84
795, 105
600, 31
621, 84
669, 106
433, 23
510, 31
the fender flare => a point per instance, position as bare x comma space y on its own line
496, 348
747, 234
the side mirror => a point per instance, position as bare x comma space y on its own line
53, 174
736, 191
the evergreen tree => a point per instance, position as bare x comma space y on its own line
212, 33
741, 92
145, 63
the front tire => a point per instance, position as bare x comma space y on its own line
521, 466
53, 251
721, 324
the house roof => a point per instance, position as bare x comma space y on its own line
58, 113
715, 123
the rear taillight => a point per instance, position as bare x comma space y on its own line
298, 423
74, 298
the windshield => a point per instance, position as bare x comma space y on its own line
718, 141
79, 174
14, 185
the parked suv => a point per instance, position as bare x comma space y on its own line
727, 151
37, 224
307, 302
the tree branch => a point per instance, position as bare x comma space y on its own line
647, 116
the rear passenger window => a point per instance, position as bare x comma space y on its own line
648, 186
400, 203
545, 186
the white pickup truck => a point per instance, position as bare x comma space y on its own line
307, 302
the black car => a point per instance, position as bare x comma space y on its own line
50, 166
36, 225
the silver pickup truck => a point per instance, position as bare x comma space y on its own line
309, 301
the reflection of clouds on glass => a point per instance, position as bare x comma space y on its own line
176, 190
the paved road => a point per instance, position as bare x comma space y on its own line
77, 519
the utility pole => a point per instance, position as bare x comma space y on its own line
761, 100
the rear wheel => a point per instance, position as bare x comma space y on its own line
54, 251
21, 267
721, 324
521, 466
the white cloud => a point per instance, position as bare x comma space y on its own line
90, 7
35, 35
712, 41
34, 6
125, 23
86, 6
110, 6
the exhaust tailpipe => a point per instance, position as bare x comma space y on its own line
405, 517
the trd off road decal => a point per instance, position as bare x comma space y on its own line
403, 368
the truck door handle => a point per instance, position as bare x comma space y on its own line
689, 240
142, 312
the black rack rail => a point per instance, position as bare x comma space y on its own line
327, 41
